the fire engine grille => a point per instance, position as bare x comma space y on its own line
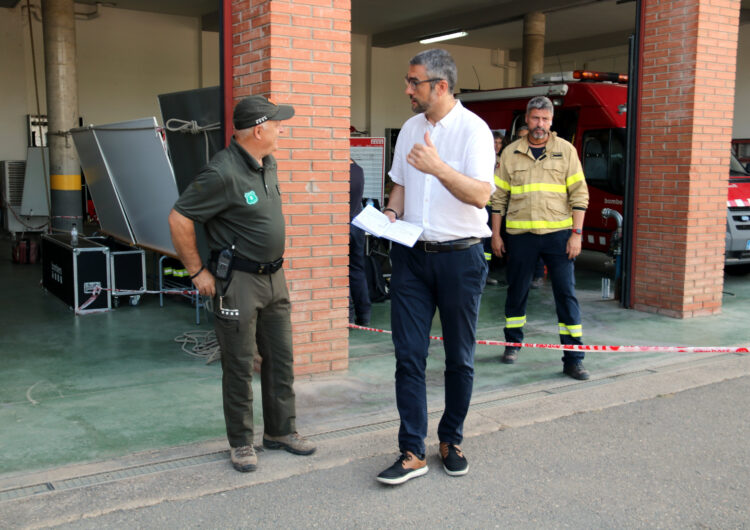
740, 217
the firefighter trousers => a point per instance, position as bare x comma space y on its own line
523, 251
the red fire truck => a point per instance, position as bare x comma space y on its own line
590, 112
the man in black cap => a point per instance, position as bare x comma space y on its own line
236, 196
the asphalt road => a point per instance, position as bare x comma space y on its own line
675, 461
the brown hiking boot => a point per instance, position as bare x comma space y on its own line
406, 467
243, 458
293, 443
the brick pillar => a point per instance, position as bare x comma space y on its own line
298, 52
688, 60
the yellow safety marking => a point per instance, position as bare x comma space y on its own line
574, 178
515, 322
574, 330
538, 186
65, 182
527, 225
502, 184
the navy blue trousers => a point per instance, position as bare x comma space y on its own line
524, 250
422, 282
359, 296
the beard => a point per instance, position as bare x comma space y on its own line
537, 135
417, 106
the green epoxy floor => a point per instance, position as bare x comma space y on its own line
83, 388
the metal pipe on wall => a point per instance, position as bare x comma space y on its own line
533, 46
62, 111
226, 72
632, 165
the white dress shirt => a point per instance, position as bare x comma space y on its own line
464, 142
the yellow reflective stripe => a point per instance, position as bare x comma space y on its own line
500, 183
530, 225
574, 330
65, 182
488, 256
515, 322
574, 178
539, 186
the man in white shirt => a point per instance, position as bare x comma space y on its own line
442, 170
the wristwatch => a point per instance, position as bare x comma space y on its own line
578, 231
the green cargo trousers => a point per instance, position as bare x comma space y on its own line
254, 315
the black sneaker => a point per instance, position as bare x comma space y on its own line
406, 467
576, 371
454, 461
509, 356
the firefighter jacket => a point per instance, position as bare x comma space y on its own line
539, 196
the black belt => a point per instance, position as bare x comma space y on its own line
447, 246
253, 267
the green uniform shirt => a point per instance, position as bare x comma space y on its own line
239, 203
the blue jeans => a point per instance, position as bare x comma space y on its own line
421, 282
524, 250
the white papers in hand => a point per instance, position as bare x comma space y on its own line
376, 223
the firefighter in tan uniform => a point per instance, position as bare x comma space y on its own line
542, 193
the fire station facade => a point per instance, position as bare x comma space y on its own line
299, 52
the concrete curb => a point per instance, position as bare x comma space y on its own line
192, 471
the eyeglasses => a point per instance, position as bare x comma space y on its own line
412, 82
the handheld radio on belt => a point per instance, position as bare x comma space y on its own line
223, 273
224, 263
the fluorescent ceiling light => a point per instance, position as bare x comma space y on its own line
447, 36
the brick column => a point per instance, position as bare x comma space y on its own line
688, 60
298, 52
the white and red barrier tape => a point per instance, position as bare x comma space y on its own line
574, 347
592, 347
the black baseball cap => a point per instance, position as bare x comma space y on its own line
254, 110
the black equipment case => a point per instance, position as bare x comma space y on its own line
74, 272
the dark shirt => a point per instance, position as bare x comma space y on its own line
239, 203
537, 151
356, 189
